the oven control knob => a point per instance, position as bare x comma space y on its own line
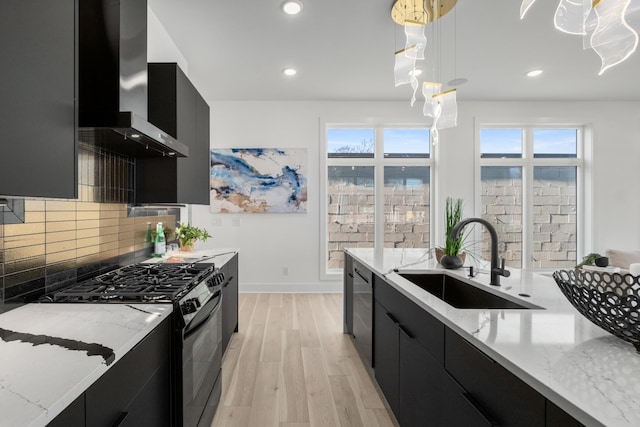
190, 306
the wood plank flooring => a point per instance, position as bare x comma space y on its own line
290, 365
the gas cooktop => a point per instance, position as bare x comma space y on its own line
142, 283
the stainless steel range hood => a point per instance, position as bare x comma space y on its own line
113, 81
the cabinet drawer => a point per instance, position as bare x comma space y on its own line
460, 409
502, 394
425, 328
112, 395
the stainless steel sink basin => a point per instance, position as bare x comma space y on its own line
460, 294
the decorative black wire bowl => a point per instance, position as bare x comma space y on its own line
611, 301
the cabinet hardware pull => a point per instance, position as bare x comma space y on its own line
406, 331
227, 282
361, 276
350, 275
123, 416
393, 319
481, 410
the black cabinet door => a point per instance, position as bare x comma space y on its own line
230, 302
363, 310
386, 355
511, 401
556, 417
348, 294
72, 416
176, 107
38, 87
420, 384
136, 386
460, 409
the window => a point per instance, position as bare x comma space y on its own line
377, 190
530, 180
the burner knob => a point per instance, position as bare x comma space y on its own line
190, 306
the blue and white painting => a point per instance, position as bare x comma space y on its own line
259, 180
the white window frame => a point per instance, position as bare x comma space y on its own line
527, 162
378, 162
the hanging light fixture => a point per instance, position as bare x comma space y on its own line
414, 15
602, 24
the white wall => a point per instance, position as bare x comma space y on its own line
160, 45
270, 242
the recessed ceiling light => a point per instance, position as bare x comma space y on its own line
289, 72
534, 73
135, 135
292, 7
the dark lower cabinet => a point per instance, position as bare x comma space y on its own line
363, 280
72, 416
408, 375
556, 417
133, 392
460, 409
348, 294
230, 301
386, 355
508, 400
420, 384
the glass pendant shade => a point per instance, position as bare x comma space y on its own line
428, 90
613, 39
404, 68
571, 15
445, 108
524, 7
414, 31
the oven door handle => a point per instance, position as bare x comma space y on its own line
195, 328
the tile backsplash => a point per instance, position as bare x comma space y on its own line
62, 241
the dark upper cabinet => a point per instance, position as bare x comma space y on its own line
176, 107
38, 41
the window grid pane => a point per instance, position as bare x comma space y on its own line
406, 206
350, 143
500, 143
351, 206
406, 142
554, 217
502, 206
555, 143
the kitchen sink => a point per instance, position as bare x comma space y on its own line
460, 294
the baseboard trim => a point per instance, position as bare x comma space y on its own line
290, 287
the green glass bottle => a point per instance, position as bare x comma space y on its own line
160, 246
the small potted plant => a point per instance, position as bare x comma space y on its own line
450, 256
188, 234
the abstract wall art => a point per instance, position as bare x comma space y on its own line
258, 180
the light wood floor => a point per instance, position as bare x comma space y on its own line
290, 365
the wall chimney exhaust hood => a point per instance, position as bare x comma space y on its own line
112, 105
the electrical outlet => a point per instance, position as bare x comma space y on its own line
285, 271
216, 221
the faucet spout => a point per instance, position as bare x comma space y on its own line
496, 270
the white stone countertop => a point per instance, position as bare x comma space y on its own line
44, 359
218, 256
583, 369
38, 381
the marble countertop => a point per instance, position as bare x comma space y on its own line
51, 353
583, 369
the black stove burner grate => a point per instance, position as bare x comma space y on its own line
139, 283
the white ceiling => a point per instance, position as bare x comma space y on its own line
343, 50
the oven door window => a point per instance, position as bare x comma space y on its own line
201, 363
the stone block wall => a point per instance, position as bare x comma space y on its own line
351, 218
554, 215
